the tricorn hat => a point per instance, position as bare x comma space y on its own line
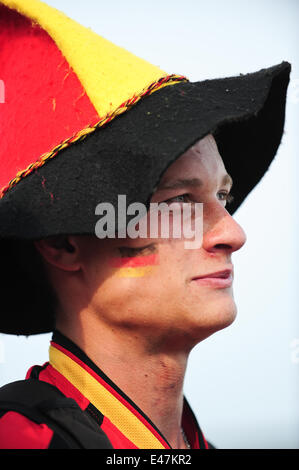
84, 121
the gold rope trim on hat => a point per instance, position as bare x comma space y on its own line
79, 136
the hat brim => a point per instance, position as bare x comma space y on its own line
245, 114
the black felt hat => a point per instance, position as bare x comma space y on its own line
128, 155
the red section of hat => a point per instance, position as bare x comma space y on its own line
44, 101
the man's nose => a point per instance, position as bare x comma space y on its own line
220, 230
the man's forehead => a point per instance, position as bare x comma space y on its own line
207, 143
203, 153
203, 158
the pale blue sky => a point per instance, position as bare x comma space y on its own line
243, 382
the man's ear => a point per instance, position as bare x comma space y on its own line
60, 251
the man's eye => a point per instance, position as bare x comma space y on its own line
180, 198
226, 197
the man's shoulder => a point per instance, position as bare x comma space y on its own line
19, 432
35, 414
22, 423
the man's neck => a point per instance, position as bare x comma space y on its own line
152, 379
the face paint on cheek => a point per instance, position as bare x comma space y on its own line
135, 264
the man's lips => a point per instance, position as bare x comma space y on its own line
225, 274
219, 279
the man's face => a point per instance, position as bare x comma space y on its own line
150, 287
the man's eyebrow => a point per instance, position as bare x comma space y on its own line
192, 182
181, 183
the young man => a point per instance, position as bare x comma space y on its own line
126, 311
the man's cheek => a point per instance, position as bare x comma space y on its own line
135, 266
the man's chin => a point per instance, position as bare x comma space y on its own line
213, 323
